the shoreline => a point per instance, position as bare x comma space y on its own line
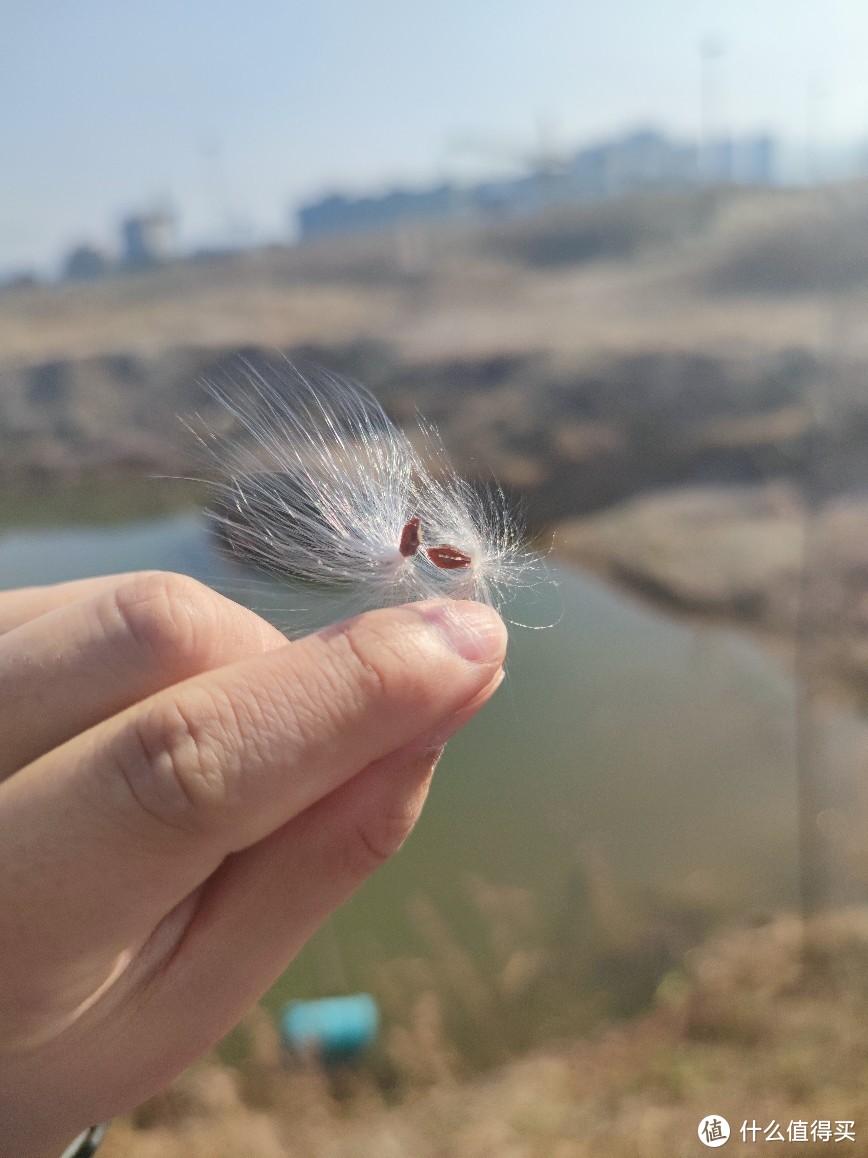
748, 558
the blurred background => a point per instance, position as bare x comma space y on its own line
619, 255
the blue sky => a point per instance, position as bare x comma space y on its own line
238, 110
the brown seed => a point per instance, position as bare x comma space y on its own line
448, 558
410, 538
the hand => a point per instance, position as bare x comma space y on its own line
184, 797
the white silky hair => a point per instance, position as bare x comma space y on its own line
315, 484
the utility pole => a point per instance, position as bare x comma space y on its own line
711, 50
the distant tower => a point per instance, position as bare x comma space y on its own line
147, 238
714, 158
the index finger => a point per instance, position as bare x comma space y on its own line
23, 604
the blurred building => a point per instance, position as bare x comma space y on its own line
85, 262
642, 160
148, 238
337, 214
20, 280
754, 161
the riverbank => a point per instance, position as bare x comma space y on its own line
755, 555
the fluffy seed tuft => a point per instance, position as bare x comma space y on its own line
317, 485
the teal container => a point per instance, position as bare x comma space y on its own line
336, 1029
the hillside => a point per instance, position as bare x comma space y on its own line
581, 357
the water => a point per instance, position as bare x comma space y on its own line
662, 748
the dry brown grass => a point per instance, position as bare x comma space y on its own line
470, 294
758, 1023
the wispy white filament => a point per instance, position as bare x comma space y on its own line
316, 484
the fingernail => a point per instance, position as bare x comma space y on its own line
473, 630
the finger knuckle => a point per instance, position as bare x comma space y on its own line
164, 614
173, 760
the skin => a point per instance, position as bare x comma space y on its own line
184, 798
